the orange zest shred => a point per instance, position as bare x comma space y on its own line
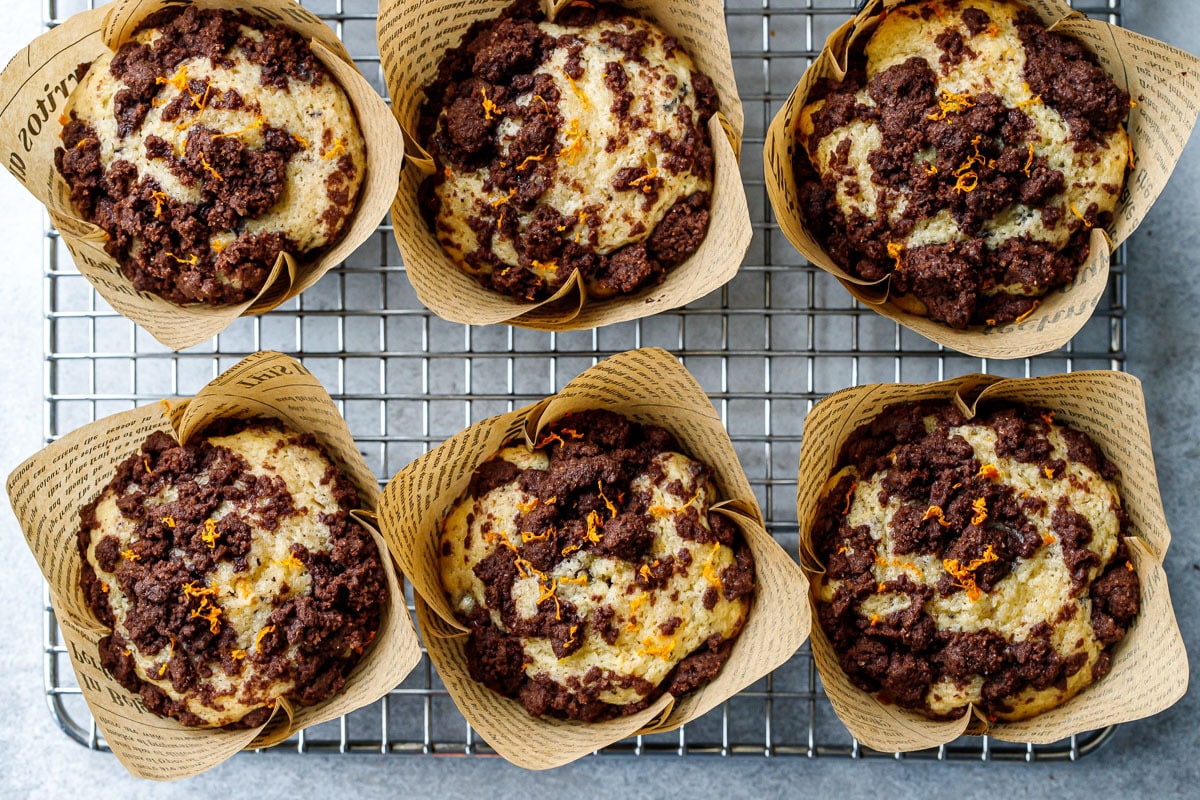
612, 510
548, 591
179, 80
884, 561
1029, 313
158, 198
874, 620
964, 575
490, 109
548, 266
257, 124
1048, 540
571, 548
169, 522
527, 506
531, 536
571, 641
542, 100
300, 140
634, 604
966, 182
950, 103
979, 504
843, 550
499, 201
989, 471
660, 511
642, 181
895, 250
992, 30
217, 246
1082, 218
238, 655
266, 629
129, 555
162, 670
550, 437
578, 580
574, 147
935, 512
931, 168
530, 159
1049, 472
339, 147
663, 650
291, 562
594, 523
1028, 161
209, 169
193, 259
880, 588
1129, 566
583, 98
710, 570
210, 533
1132, 163
146, 464
104, 587
1048, 417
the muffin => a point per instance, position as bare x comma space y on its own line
230, 573
590, 571
976, 563
965, 156
578, 145
206, 146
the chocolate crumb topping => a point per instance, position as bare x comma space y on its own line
594, 495
953, 512
312, 639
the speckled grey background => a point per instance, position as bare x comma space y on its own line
1156, 756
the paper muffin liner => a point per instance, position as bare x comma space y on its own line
650, 387
1149, 666
34, 87
1158, 77
414, 35
49, 489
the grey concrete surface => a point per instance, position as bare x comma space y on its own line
1159, 756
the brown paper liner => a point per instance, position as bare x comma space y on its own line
48, 490
1149, 668
36, 83
650, 387
413, 37
1160, 78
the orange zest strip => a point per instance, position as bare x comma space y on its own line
262, 633
935, 512
965, 575
979, 504
1029, 313
989, 471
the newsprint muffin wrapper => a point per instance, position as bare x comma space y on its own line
49, 489
1160, 79
413, 37
1149, 668
35, 86
648, 386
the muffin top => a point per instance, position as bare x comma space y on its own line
591, 572
975, 562
207, 145
230, 573
574, 145
967, 159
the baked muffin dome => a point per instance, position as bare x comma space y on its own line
574, 145
973, 562
967, 160
231, 574
590, 571
208, 144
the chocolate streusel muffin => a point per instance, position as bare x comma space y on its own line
578, 145
966, 156
231, 574
207, 145
591, 572
973, 563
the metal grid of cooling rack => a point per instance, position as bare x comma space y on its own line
766, 347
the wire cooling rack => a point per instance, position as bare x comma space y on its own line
766, 347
